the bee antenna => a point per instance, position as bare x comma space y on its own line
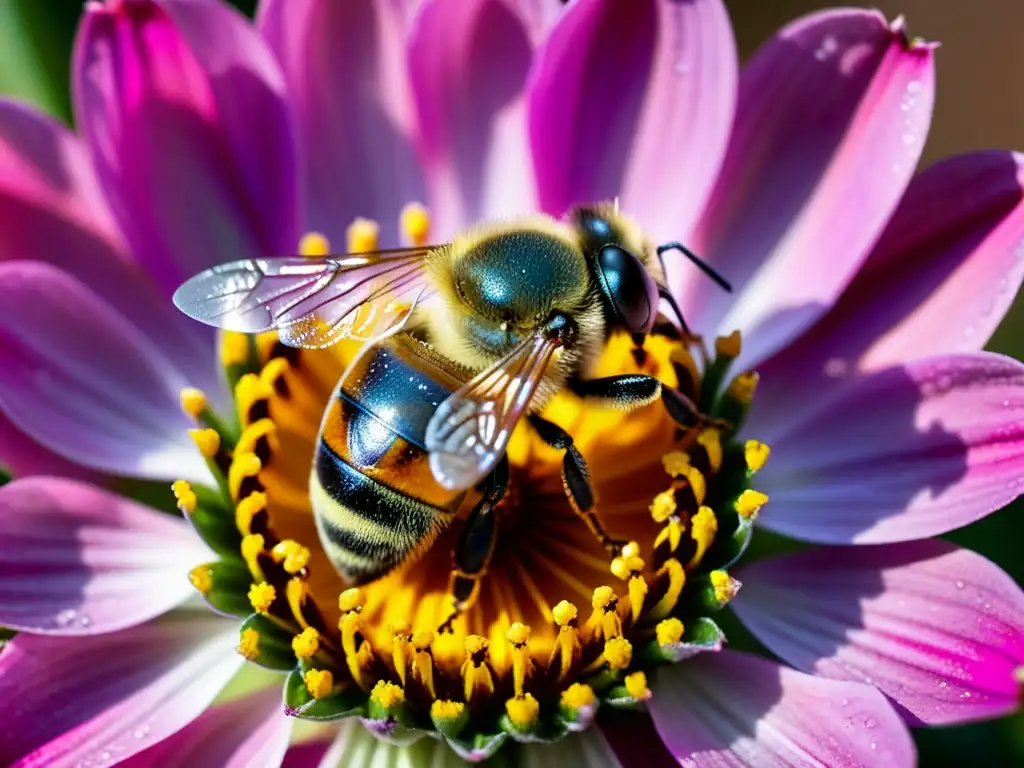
704, 267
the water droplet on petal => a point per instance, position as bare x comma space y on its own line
960, 584
65, 617
870, 723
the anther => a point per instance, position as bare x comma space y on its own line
675, 463
247, 509
631, 549
319, 682
756, 454
697, 483
297, 593
184, 496
449, 717
251, 396
261, 597
672, 534
314, 244
234, 349
711, 441
251, 548
291, 554
306, 643
518, 636
669, 631
400, 649
422, 661
618, 652
729, 346
749, 503
201, 578
415, 224
362, 236
567, 643
673, 570
350, 625
476, 675
663, 506
636, 686
351, 599
703, 528
193, 402
725, 587
743, 387
387, 695
249, 644
207, 441
522, 711
577, 696
604, 622
259, 438
244, 466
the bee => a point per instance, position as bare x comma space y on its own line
463, 341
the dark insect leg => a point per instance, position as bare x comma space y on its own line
625, 392
473, 551
576, 480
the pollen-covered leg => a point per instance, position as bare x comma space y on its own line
475, 546
626, 392
576, 480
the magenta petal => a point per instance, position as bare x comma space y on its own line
832, 116
735, 709
468, 62
633, 99
308, 754
24, 457
80, 379
345, 67
248, 732
107, 697
184, 109
902, 454
938, 629
76, 560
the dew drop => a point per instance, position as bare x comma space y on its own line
965, 695
873, 745
914, 86
960, 584
65, 617
85, 621
846, 702
142, 731
870, 723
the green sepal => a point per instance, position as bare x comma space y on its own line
479, 746
451, 727
699, 636
603, 679
578, 720
699, 596
275, 646
728, 549
229, 593
620, 698
711, 381
300, 703
547, 729
217, 529
5, 475
6, 635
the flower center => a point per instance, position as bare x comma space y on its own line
558, 626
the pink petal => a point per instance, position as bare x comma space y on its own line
80, 379
51, 209
468, 61
23, 456
76, 560
589, 749
345, 68
939, 281
735, 709
833, 113
938, 629
308, 754
356, 746
902, 454
184, 109
634, 99
248, 732
106, 697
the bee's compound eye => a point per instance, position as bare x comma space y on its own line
628, 288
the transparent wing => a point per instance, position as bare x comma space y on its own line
312, 302
468, 433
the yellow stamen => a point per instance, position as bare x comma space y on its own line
262, 596
518, 636
201, 578
669, 631
422, 661
564, 613
637, 594
297, 592
604, 622
675, 463
636, 685
415, 224
387, 695
249, 391
351, 599
618, 652
712, 443
206, 440
362, 236
756, 454
247, 509
522, 710
703, 528
313, 244
749, 503
234, 349
400, 649
631, 568
350, 625
193, 402
632, 549
672, 533
319, 682
265, 344
243, 466
743, 387
729, 346
578, 696
306, 643
444, 709
676, 580
251, 548
273, 371
725, 586
264, 429
567, 644
663, 506
293, 555
249, 643
184, 496
476, 674
697, 483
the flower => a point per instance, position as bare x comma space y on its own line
864, 296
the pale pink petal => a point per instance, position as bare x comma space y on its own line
906, 453
248, 732
468, 62
634, 99
589, 749
345, 68
307, 754
106, 697
191, 134
356, 746
938, 629
939, 281
735, 709
23, 456
80, 379
832, 115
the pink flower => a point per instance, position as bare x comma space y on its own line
864, 296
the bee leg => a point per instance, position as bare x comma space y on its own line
473, 551
576, 480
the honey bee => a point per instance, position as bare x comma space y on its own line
464, 340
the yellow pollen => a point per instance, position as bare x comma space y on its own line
251, 547
712, 443
624, 567
362, 236
663, 506
234, 348
636, 685
422, 661
415, 224
294, 556
637, 593
351, 599
703, 528
743, 387
749, 503
669, 631
201, 578
444, 709
672, 533
632, 549
314, 245
319, 682
247, 509
729, 346
522, 710
577, 696
618, 652
725, 586
243, 466
756, 454
258, 430
306, 643
262, 596
676, 581
475, 673
265, 344
249, 643
697, 483
518, 634
249, 391
675, 463
387, 694
206, 440
184, 496
564, 613
603, 596
193, 402
475, 644
296, 592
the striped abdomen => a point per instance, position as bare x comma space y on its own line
375, 500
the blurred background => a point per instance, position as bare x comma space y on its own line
979, 105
